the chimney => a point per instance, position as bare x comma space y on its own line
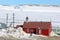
26, 19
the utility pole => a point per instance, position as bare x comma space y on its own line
7, 19
13, 19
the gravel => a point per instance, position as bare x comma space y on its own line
31, 38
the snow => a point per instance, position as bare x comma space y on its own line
3, 33
16, 33
20, 34
53, 34
35, 13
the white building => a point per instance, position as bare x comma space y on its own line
56, 30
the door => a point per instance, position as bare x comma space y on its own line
39, 31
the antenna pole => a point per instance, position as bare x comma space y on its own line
7, 19
13, 19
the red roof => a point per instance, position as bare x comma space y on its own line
42, 25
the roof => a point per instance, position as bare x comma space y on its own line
42, 25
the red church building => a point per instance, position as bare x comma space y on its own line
39, 28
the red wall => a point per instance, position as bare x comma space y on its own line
45, 32
25, 30
50, 29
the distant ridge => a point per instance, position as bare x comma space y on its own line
33, 5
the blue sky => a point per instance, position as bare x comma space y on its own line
17, 2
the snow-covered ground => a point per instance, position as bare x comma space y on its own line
12, 33
17, 33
